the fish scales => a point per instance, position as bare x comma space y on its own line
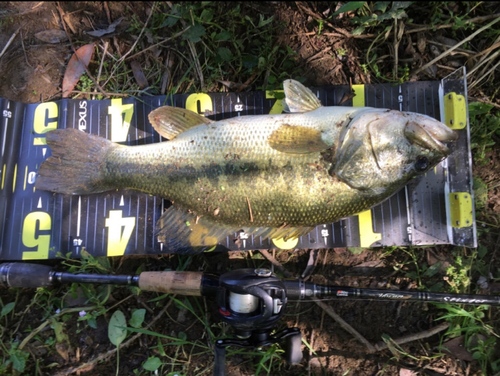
217, 167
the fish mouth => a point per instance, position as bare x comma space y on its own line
430, 134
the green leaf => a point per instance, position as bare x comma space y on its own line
116, 328
137, 318
249, 61
432, 270
381, 5
161, 350
396, 14
92, 322
477, 355
18, 359
207, 15
262, 62
223, 35
61, 336
481, 251
356, 250
358, 31
479, 108
349, 6
400, 4
7, 308
264, 22
225, 53
194, 33
152, 364
169, 22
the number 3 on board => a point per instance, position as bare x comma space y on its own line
32, 225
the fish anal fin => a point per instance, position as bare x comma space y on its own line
184, 232
286, 232
171, 121
296, 139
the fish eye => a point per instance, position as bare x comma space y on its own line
422, 163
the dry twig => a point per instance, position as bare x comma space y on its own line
472, 20
348, 328
414, 337
250, 210
159, 43
9, 42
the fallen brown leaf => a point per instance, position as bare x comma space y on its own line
139, 75
52, 36
76, 67
99, 33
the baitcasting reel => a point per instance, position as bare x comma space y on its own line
252, 301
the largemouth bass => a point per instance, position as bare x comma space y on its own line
269, 175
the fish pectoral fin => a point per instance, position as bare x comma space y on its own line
295, 139
171, 121
184, 232
299, 98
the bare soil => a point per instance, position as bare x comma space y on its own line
32, 71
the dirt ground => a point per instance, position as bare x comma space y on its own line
32, 71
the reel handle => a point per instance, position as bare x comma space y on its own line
220, 359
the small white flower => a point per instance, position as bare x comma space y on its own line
58, 310
82, 313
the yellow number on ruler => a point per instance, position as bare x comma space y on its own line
45, 119
119, 232
366, 235
204, 100
120, 124
278, 105
32, 225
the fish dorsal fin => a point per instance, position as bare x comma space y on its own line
299, 98
296, 139
171, 121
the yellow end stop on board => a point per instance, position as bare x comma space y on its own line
455, 111
460, 209
286, 244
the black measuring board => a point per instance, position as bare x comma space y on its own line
36, 224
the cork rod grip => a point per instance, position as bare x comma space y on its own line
182, 283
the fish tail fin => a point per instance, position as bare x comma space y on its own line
75, 166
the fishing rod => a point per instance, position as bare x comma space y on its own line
250, 300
